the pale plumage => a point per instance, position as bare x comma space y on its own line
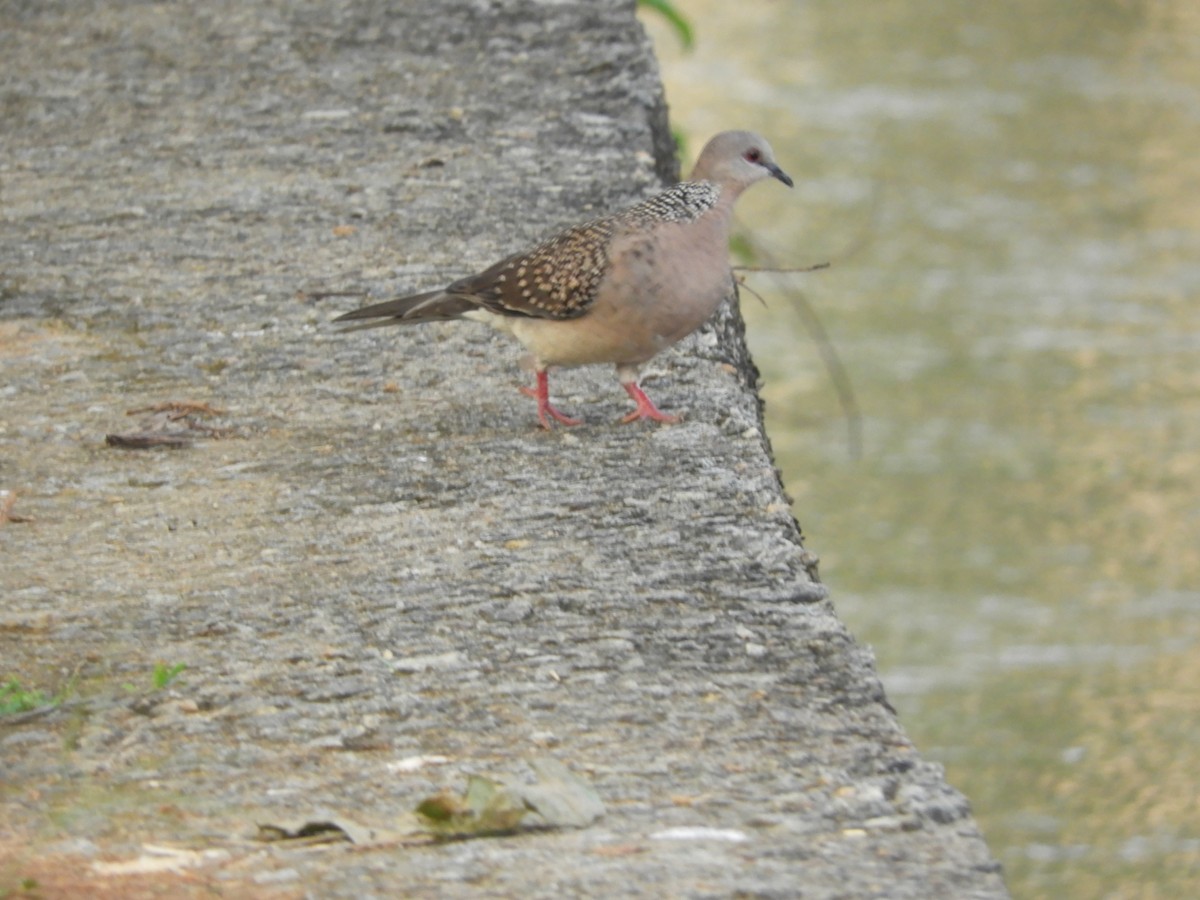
618, 289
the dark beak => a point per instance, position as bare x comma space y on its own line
777, 172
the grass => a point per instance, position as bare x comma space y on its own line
15, 698
164, 674
161, 677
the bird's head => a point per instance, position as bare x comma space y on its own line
738, 159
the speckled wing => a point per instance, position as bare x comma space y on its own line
560, 278
557, 279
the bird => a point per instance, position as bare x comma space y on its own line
617, 289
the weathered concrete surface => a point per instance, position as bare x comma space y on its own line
385, 558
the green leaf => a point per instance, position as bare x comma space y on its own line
15, 699
486, 808
164, 674
683, 28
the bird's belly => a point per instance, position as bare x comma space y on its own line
630, 334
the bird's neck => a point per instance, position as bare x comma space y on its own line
727, 196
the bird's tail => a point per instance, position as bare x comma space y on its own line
433, 306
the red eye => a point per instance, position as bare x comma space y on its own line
752, 155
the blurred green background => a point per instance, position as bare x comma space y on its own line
1010, 197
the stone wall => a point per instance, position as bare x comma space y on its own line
381, 577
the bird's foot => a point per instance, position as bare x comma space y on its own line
645, 408
544, 409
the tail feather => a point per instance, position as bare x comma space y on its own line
432, 306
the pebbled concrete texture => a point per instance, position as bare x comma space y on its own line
375, 555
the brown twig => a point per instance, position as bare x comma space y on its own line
7, 500
741, 281
171, 424
146, 440
782, 271
829, 356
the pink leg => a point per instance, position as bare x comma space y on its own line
542, 394
645, 409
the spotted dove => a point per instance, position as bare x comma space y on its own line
618, 289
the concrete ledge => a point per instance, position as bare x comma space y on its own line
382, 557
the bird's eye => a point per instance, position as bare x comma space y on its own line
752, 155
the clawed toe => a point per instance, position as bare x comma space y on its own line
544, 409
645, 408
